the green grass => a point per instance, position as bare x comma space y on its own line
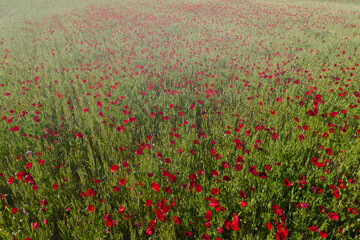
171, 90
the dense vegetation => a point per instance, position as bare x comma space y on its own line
179, 120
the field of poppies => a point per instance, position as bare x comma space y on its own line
154, 119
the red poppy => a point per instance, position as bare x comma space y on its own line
109, 223
225, 164
207, 224
122, 182
235, 223
328, 151
262, 175
243, 203
333, 216
192, 176
205, 237
313, 229
323, 234
215, 191
177, 220
242, 194
353, 210
341, 184
91, 192
208, 215
276, 209
114, 168
238, 167
287, 182
79, 135
14, 210
280, 236
155, 186
187, 234
322, 209
226, 178
91, 208
10, 180
150, 231
34, 225
121, 210
268, 168
268, 226
198, 188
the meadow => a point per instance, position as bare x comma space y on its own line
154, 119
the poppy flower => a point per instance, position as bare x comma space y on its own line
122, 181
114, 168
207, 224
177, 220
155, 186
262, 175
150, 231
208, 215
333, 216
328, 151
268, 226
205, 237
187, 234
242, 194
341, 184
313, 229
214, 173
225, 164
215, 191
91, 208
276, 209
268, 168
121, 210
34, 225
243, 203
109, 223
148, 202
10, 180
287, 182
323, 234
91, 192
79, 135
238, 167
235, 223
322, 209
353, 210
14, 210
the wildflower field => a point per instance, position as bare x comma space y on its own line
189, 119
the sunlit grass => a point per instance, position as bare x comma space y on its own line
134, 119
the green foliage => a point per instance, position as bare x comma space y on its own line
101, 101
